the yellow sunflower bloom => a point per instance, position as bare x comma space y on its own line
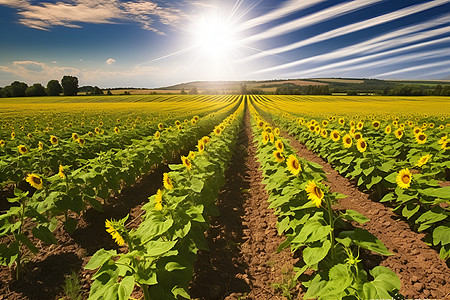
341, 121
217, 130
157, 135
177, 123
388, 129
200, 146
421, 138
376, 125
360, 125
347, 141
293, 165
324, 133
403, 178
186, 162
205, 140
116, 130
35, 181
398, 133
158, 200
335, 136
357, 135
191, 155
265, 138
276, 131
278, 154
361, 145
315, 194
417, 130
29, 135
13, 135
2, 143
279, 145
41, 145
97, 130
193, 121
168, 185
271, 137
61, 172
423, 160
81, 142
114, 233
22, 149
74, 136
160, 126
53, 140
442, 139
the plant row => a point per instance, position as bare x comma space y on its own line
328, 245
159, 255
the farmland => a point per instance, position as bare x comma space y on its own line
239, 196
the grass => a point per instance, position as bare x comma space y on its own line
72, 287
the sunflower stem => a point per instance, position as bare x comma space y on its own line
146, 292
330, 214
19, 255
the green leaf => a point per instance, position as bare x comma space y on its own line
126, 287
410, 209
366, 240
316, 252
441, 234
179, 291
443, 192
374, 180
24, 240
156, 248
347, 160
99, 258
70, 225
44, 234
388, 197
172, 266
197, 185
8, 255
428, 218
352, 215
312, 231
392, 178
385, 282
368, 171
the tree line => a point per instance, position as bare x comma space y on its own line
68, 86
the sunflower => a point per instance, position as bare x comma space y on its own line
398, 133
315, 194
61, 172
200, 146
431, 125
324, 133
312, 127
293, 165
376, 125
444, 145
324, 123
97, 130
279, 145
193, 121
278, 154
265, 138
41, 145
22, 149
205, 139
335, 135
441, 127
196, 118
388, 129
261, 124
347, 141
403, 178
423, 160
361, 145
421, 138
114, 233
186, 162
2, 143
217, 130
53, 140
157, 135
74, 136
179, 127
116, 130
276, 131
81, 142
341, 121
271, 137
357, 135
35, 181
360, 125
13, 135
191, 155
177, 123
29, 135
158, 200
268, 129
417, 130
168, 185
442, 140
160, 126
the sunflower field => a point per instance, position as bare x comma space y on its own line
64, 159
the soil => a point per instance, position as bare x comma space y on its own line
422, 273
242, 262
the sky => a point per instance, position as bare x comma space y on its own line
137, 43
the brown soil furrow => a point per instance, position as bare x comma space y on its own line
242, 262
422, 273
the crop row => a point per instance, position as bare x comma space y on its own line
329, 245
399, 161
160, 253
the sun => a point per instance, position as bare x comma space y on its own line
215, 36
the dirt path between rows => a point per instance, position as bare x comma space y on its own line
422, 273
242, 262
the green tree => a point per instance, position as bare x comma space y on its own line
183, 92
69, 85
109, 92
18, 89
53, 88
97, 91
6, 91
35, 90
193, 91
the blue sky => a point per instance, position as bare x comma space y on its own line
138, 43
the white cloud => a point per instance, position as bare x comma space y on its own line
72, 13
110, 61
